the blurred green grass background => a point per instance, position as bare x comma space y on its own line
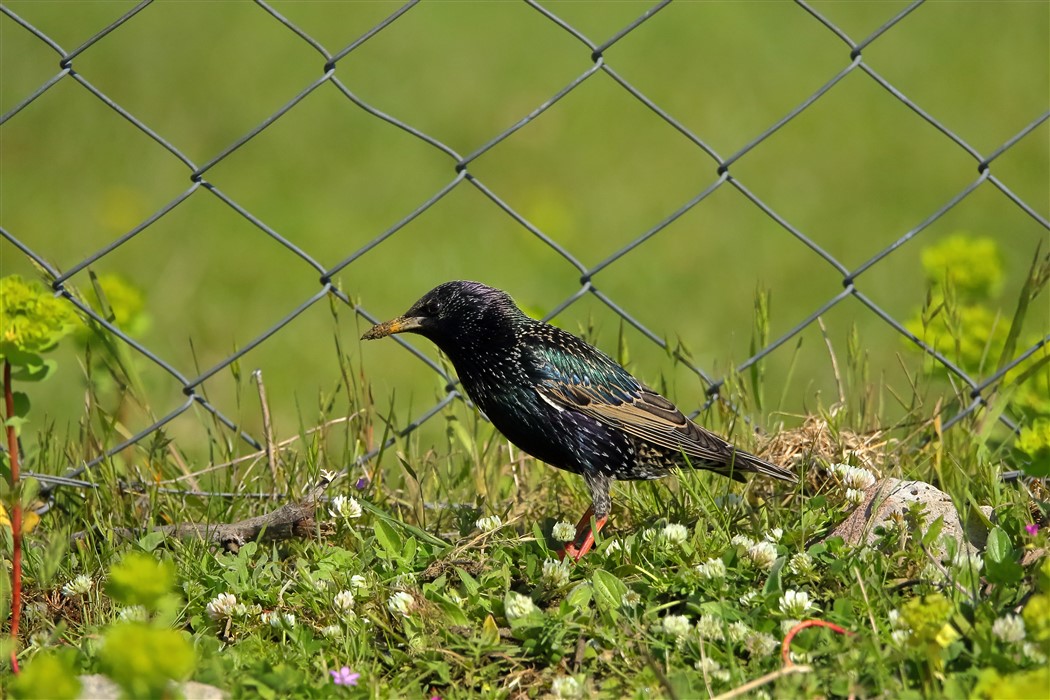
854, 172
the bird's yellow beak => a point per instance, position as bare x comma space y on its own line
401, 324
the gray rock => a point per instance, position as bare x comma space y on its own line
99, 687
889, 500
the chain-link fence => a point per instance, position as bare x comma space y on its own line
722, 175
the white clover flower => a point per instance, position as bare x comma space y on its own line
774, 535
565, 687
132, 613
712, 569
742, 541
728, 501
763, 554
563, 531
676, 626
854, 477
900, 632
555, 573
345, 507
796, 603
748, 599
489, 523
358, 582
854, 497
801, 564
1009, 628
674, 533
403, 581
343, 600
712, 668
760, 644
332, 631
288, 620
787, 625
900, 637
968, 561
518, 605
221, 606
612, 547
81, 585
737, 632
630, 599
1033, 653
400, 603
710, 627
931, 573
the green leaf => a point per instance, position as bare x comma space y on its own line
579, 597
141, 579
48, 675
409, 551
35, 372
5, 593
933, 532
608, 591
421, 535
151, 540
22, 404
773, 581
490, 632
143, 660
1004, 573
455, 613
998, 548
469, 582
388, 538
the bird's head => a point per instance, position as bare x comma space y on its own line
454, 315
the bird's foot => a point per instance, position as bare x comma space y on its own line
584, 540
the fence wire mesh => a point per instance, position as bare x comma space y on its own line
200, 182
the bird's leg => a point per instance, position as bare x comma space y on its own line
599, 485
584, 540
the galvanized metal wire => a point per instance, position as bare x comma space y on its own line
460, 175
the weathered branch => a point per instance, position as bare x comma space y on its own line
290, 521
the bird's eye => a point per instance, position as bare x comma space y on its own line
432, 308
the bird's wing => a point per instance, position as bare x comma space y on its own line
577, 377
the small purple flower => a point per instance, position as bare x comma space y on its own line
1032, 529
344, 677
362, 483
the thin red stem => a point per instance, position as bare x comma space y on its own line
16, 517
785, 647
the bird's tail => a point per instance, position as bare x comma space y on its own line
741, 462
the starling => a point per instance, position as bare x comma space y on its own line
563, 401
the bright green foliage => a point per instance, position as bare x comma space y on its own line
971, 265
928, 618
48, 676
1024, 685
144, 659
963, 274
964, 320
32, 320
140, 579
119, 302
1036, 616
1034, 442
